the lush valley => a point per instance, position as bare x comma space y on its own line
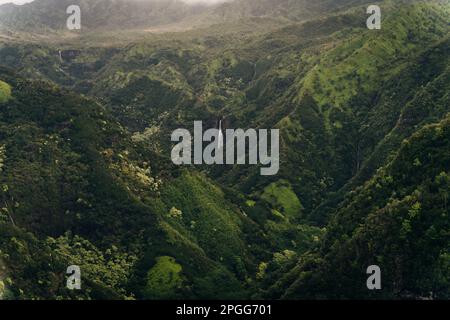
87, 179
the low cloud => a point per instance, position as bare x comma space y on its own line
15, 1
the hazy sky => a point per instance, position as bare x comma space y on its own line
15, 1
188, 1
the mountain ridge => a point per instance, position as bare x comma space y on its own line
49, 16
87, 176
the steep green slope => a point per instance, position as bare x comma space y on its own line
337, 99
397, 220
76, 185
415, 96
321, 83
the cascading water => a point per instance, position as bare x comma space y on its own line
220, 138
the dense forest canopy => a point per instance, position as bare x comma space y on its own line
86, 176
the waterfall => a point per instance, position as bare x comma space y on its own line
220, 137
